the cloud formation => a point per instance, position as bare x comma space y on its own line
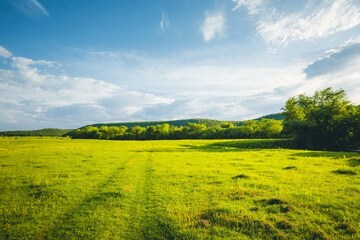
312, 22
340, 59
164, 22
31, 8
31, 95
142, 87
253, 6
4, 52
213, 26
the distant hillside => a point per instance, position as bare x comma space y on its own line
184, 122
178, 123
49, 132
55, 132
276, 116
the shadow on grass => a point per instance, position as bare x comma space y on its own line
254, 228
327, 154
243, 145
344, 172
162, 227
354, 162
228, 146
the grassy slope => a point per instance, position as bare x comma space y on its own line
71, 189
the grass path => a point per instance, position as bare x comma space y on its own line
82, 221
149, 219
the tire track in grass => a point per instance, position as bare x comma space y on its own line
67, 227
150, 217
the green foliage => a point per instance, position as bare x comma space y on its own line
50, 132
59, 188
264, 128
327, 121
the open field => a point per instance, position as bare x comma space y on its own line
58, 188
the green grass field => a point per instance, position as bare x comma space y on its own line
58, 188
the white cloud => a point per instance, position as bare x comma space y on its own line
201, 84
142, 87
312, 22
32, 97
347, 79
184, 108
39, 7
213, 26
31, 8
164, 22
4, 52
253, 6
166, 88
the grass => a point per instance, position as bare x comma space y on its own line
58, 188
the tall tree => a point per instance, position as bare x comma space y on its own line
326, 120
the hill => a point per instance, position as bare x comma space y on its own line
49, 132
276, 116
177, 123
184, 122
55, 132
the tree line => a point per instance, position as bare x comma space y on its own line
327, 120
264, 128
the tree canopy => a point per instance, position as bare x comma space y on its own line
326, 121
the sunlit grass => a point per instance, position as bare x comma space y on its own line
59, 188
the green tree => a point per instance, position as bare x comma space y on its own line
136, 133
163, 131
327, 120
195, 130
270, 128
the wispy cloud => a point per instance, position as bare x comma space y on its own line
31, 8
4, 52
213, 26
253, 6
164, 21
313, 22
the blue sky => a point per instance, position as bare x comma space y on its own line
70, 63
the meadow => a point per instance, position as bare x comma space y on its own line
59, 188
